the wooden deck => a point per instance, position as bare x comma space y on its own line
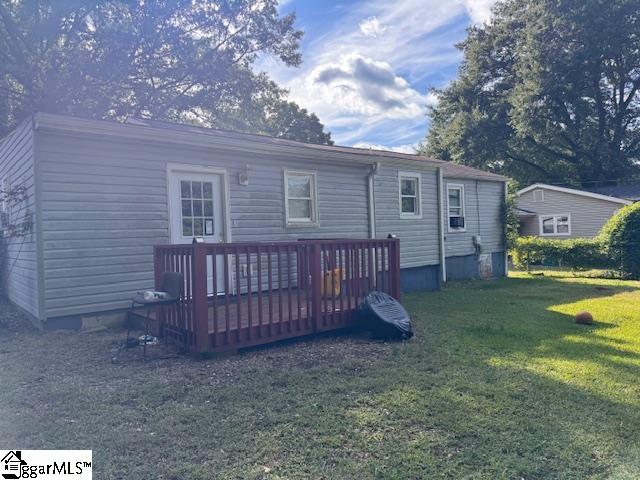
256, 310
297, 288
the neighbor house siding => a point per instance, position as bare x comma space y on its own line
105, 206
588, 215
21, 269
418, 236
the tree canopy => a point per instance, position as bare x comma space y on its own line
549, 91
179, 60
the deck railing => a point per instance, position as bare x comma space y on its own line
242, 294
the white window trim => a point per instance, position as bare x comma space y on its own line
456, 186
412, 176
541, 192
298, 222
555, 225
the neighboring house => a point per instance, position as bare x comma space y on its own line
628, 191
559, 212
103, 193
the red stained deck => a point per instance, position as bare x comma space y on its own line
297, 288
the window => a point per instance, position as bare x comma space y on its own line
300, 198
538, 196
555, 225
197, 208
410, 192
455, 207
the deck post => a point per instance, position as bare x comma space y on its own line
395, 268
316, 279
200, 307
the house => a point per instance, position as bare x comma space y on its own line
559, 212
101, 194
627, 191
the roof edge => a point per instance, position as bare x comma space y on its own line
574, 191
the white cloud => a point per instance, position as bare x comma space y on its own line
359, 76
371, 27
357, 85
409, 148
479, 10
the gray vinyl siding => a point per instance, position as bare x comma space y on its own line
17, 164
105, 206
419, 243
588, 215
483, 202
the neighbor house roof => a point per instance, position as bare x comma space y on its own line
143, 129
572, 191
630, 191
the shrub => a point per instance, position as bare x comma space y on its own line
621, 238
577, 253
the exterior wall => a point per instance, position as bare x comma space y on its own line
419, 242
105, 206
483, 216
17, 165
420, 279
588, 215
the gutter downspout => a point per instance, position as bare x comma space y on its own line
375, 168
441, 252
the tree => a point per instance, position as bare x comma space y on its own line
179, 60
548, 91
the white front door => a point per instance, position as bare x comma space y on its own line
196, 210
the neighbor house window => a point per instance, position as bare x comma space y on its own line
555, 225
455, 207
538, 196
410, 191
300, 198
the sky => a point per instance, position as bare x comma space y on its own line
368, 65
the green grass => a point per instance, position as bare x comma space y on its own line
499, 382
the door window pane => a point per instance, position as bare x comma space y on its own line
196, 189
186, 208
187, 227
197, 214
208, 208
198, 228
185, 189
197, 208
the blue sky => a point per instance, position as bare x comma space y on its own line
368, 65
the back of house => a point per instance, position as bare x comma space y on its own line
559, 212
101, 194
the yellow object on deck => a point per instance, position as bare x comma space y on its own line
331, 283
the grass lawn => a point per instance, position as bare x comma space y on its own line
499, 382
